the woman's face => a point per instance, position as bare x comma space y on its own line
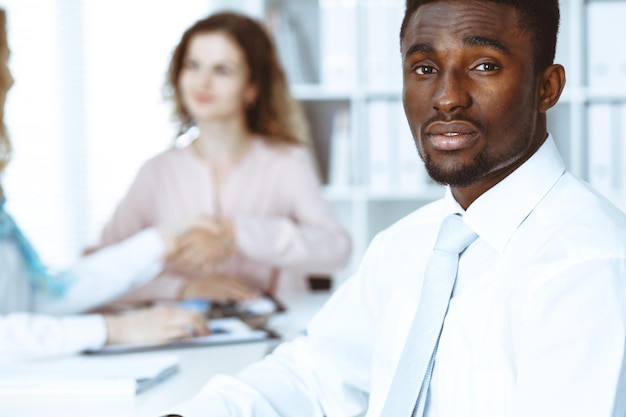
214, 81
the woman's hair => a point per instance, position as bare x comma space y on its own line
274, 114
5, 144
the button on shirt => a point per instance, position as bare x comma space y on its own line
536, 325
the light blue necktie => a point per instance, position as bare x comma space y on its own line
40, 277
409, 388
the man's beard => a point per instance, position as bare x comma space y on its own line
482, 164
461, 177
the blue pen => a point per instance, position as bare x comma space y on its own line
197, 304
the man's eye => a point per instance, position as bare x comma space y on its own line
487, 66
424, 70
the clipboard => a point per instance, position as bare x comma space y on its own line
225, 330
230, 323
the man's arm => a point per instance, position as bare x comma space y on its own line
571, 361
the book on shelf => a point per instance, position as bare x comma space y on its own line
606, 132
394, 163
380, 145
599, 134
84, 376
410, 173
606, 63
622, 153
338, 42
383, 65
563, 53
293, 27
339, 164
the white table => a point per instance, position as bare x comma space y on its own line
197, 365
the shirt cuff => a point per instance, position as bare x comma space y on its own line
85, 332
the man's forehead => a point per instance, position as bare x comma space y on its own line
468, 22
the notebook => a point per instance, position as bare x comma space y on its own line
84, 376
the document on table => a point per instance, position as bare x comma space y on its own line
81, 376
226, 330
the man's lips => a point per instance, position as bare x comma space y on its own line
451, 136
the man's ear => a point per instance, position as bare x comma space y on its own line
551, 84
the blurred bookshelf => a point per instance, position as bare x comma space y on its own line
589, 123
343, 61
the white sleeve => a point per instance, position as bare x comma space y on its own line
107, 274
25, 335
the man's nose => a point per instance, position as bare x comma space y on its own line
451, 93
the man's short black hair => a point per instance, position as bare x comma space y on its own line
539, 17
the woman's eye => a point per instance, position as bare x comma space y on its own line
224, 70
190, 64
487, 66
424, 70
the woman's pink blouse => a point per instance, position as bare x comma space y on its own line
284, 228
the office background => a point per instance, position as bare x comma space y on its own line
87, 108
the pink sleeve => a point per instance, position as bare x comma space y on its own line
309, 237
133, 213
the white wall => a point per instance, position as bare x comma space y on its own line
86, 109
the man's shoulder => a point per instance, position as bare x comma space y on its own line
577, 200
583, 219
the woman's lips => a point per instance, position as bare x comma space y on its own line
451, 136
202, 99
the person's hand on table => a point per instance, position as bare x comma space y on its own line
154, 324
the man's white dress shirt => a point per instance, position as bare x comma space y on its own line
31, 324
535, 328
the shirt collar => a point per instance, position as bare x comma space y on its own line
496, 214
